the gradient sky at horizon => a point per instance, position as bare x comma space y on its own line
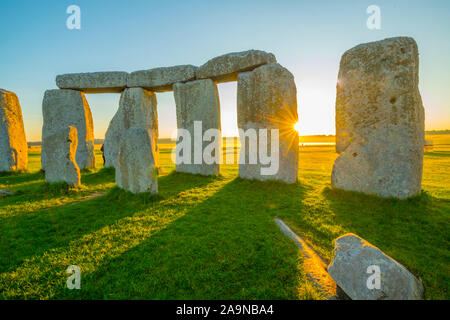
307, 37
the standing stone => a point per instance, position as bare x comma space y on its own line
198, 110
136, 168
380, 120
64, 108
60, 149
137, 108
267, 99
357, 265
227, 67
161, 79
94, 82
13, 143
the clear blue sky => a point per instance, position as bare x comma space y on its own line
307, 37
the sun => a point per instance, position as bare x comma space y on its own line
297, 126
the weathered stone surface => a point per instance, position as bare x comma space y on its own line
227, 67
63, 108
60, 149
13, 143
93, 82
349, 268
137, 108
380, 120
267, 99
199, 101
136, 168
161, 79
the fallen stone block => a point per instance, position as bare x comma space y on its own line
13, 143
60, 149
63, 108
266, 100
380, 120
227, 67
198, 110
94, 82
136, 168
161, 79
364, 272
137, 108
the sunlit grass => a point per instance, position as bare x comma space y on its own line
208, 237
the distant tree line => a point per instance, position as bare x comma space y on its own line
437, 132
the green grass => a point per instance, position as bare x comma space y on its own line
208, 237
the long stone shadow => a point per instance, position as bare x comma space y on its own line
14, 178
227, 247
32, 234
20, 177
37, 190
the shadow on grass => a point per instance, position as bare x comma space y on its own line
13, 178
226, 247
37, 190
32, 234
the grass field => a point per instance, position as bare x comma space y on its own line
209, 237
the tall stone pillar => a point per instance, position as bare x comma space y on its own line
137, 108
267, 102
380, 120
62, 108
136, 168
59, 150
13, 143
198, 111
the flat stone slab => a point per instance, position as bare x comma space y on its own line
227, 67
93, 82
364, 272
161, 79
